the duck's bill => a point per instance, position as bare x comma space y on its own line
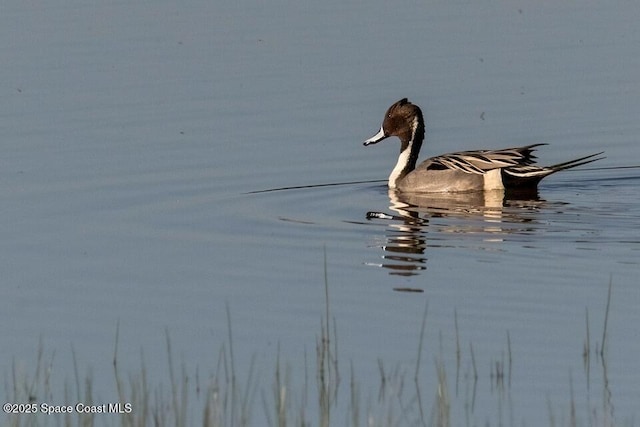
376, 138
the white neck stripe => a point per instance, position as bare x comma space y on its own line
403, 158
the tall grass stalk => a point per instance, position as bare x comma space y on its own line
443, 405
327, 362
458, 351
421, 340
606, 318
586, 351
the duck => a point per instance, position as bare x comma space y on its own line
465, 171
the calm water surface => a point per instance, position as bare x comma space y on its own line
135, 134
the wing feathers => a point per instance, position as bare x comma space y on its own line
517, 162
481, 161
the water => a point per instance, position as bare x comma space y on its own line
134, 135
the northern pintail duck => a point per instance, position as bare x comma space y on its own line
506, 169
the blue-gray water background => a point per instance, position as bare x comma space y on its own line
132, 132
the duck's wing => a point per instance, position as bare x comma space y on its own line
481, 161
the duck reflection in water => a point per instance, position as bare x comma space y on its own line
489, 214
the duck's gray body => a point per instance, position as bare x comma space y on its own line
423, 180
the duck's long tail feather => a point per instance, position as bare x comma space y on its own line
534, 171
576, 162
529, 175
